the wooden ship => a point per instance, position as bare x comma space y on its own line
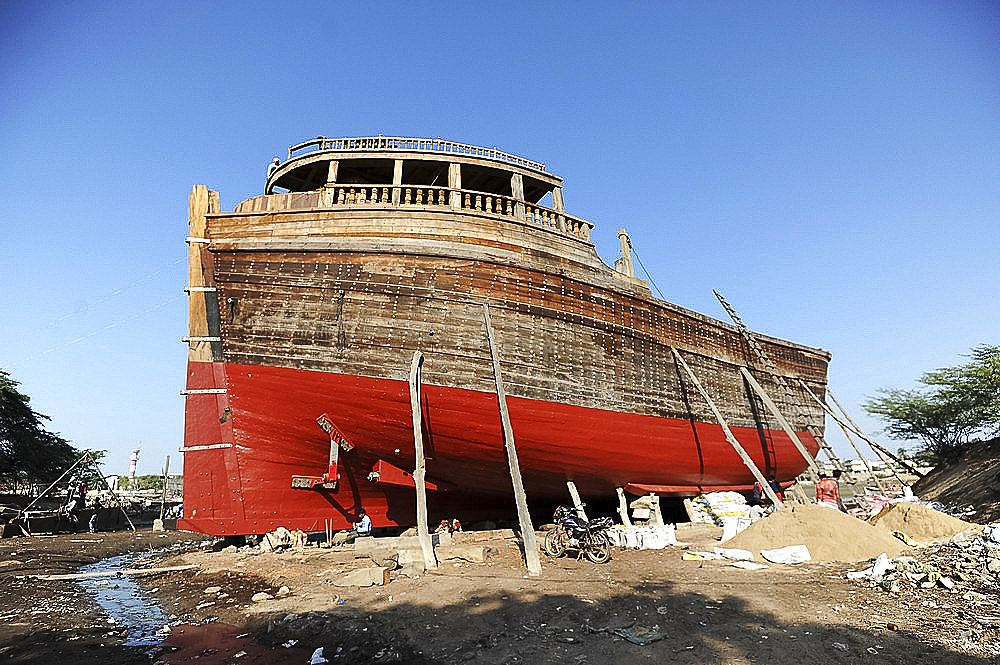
307, 305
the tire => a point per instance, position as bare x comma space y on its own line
598, 548
555, 542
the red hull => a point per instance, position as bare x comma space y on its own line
271, 423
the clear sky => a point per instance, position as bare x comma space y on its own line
832, 168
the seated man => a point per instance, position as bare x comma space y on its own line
362, 528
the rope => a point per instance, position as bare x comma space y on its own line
113, 324
645, 272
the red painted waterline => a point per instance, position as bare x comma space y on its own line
271, 422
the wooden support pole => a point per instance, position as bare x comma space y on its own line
423, 534
83, 457
577, 503
861, 455
524, 518
871, 471
163, 495
769, 403
120, 503
623, 507
765, 486
857, 430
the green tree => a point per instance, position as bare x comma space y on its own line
148, 482
956, 405
28, 452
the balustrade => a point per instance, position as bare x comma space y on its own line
416, 195
403, 144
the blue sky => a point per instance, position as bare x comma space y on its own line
832, 168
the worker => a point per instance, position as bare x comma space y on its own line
93, 518
828, 491
362, 528
364, 524
271, 168
760, 496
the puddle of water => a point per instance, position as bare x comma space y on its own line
123, 601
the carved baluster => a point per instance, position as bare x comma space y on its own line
468, 204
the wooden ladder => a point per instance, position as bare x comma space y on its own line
765, 361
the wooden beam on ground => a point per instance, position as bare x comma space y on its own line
769, 403
419, 480
577, 503
524, 518
778, 505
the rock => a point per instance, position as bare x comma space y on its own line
283, 591
385, 557
364, 577
261, 596
363, 547
412, 568
407, 556
213, 589
280, 538
471, 553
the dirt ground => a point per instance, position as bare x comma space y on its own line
492, 612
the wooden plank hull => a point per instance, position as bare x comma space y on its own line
314, 302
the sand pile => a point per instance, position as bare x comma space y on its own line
920, 523
829, 534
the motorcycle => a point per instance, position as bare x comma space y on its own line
570, 532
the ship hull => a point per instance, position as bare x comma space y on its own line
246, 488
308, 307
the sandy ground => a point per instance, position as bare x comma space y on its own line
492, 612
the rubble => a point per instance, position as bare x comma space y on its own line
968, 565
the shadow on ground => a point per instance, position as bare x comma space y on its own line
525, 627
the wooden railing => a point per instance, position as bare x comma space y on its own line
420, 195
401, 144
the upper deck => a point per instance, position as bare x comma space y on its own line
385, 160
406, 172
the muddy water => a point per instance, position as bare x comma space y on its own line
124, 603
